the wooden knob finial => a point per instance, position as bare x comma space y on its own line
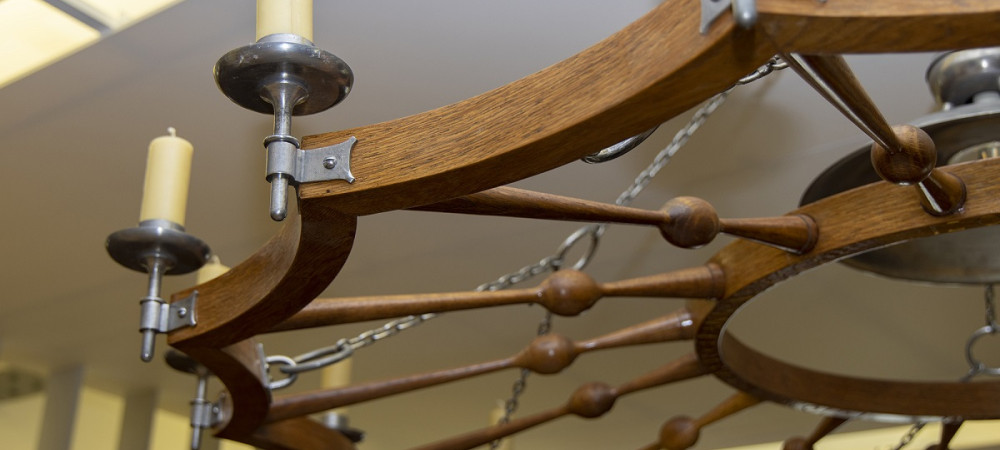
679, 433
692, 222
548, 354
569, 292
592, 400
909, 164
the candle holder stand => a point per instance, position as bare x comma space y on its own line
285, 75
159, 247
204, 414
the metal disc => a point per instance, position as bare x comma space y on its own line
242, 72
132, 248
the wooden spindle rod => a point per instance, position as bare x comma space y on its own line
547, 354
686, 222
513, 202
682, 432
589, 401
825, 427
948, 431
566, 292
904, 154
834, 80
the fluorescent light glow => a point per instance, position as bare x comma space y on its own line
35, 34
119, 14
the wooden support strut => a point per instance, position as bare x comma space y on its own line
825, 427
566, 292
547, 354
686, 222
682, 432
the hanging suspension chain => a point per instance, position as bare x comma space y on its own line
344, 348
910, 434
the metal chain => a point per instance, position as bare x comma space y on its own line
910, 434
344, 348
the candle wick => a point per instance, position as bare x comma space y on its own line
172, 131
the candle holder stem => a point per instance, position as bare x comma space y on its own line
150, 306
283, 93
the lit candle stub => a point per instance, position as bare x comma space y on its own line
285, 16
496, 414
336, 376
168, 171
212, 269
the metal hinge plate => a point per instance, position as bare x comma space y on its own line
179, 314
325, 163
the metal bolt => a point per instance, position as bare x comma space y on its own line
330, 162
182, 312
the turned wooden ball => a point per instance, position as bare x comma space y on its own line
679, 433
691, 222
910, 164
547, 354
592, 400
569, 292
796, 443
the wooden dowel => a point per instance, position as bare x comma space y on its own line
682, 432
590, 400
796, 234
706, 281
693, 223
832, 77
296, 405
547, 354
566, 292
675, 326
513, 202
825, 427
686, 222
948, 431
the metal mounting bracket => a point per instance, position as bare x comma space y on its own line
325, 163
162, 317
744, 12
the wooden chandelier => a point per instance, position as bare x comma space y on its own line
459, 157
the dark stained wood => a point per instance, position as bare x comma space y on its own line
825, 427
890, 216
547, 354
796, 233
948, 431
682, 432
566, 292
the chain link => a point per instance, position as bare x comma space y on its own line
910, 434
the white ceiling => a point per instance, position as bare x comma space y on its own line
75, 137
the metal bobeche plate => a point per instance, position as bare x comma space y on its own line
132, 248
964, 257
241, 73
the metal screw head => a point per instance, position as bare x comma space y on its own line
182, 312
330, 162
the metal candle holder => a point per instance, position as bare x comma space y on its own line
159, 247
286, 75
204, 414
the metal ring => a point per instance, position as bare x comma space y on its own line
977, 366
285, 361
560, 255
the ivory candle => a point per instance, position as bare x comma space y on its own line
212, 269
336, 376
168, 171
285, 16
